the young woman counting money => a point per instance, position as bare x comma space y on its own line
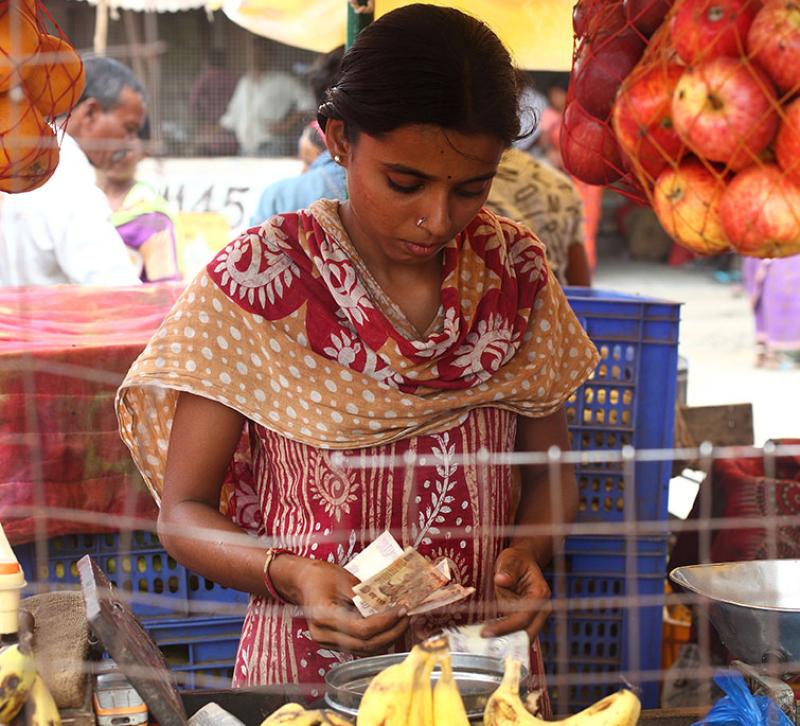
343, 370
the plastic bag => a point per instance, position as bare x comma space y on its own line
740, 707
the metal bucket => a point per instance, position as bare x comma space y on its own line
754, 606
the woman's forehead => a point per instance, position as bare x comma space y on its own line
435, 151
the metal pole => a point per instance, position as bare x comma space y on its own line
360, 13
101, 28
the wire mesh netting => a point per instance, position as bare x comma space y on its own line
70, 490
191, 63
68, 486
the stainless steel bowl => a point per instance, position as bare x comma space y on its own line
754, 606
477, 677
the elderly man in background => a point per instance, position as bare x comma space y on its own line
62, 233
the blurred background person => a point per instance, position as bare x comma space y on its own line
62, 232
774, 289
268, 108
554, 85
532, 104
142, 217
324, 178
208, 99
546, 201
310, 145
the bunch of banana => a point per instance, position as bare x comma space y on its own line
40, 709
17, 676
505, 708
402, 694
296, 715
22, 690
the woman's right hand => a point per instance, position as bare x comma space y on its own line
324, 591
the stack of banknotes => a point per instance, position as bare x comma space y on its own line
393, 577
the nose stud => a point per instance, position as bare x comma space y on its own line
421, 221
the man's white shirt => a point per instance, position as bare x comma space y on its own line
260, 101
61, 233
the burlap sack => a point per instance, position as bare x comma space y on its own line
61, 644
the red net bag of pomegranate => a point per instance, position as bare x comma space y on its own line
41, 79
705, 122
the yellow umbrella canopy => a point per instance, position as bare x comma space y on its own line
537, 32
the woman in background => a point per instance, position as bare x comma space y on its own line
774, 289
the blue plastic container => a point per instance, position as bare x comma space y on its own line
614, 619
629, 401
155, 584
201, 652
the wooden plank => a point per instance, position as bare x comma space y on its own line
672, 716
726, 425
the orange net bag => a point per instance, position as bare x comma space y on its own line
705, 119
41, 79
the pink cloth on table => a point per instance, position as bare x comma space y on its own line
63, 352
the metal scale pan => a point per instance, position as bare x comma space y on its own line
754, 606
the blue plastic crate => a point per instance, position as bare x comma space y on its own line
603, 636
155, 584
201, 652
630, 400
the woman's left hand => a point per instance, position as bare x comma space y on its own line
523, 595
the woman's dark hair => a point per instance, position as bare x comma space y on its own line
422, 64
323, 71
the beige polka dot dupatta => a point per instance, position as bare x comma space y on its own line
285, 327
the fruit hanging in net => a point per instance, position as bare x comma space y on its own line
706, 120
41, 79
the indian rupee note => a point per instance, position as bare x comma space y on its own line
375, 557
468, 639
404, 583
446, 595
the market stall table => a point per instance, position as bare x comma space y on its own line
64, 350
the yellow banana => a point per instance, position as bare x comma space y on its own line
448, 708
387, 700
296, 715
505, 707
40, 708
421, 710
619, 709
17, 675
290, 713
331, 718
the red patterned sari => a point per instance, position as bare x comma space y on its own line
357, 423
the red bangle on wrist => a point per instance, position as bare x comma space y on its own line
272, 553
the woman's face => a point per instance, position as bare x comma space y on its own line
419, 172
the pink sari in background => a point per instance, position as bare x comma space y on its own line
774, 289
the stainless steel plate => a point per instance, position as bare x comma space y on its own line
754, 606
477, 677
